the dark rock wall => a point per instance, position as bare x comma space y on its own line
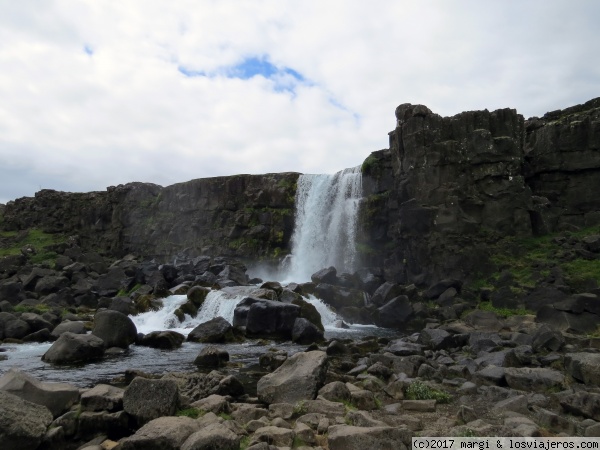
436, 200
244, 215
459, 183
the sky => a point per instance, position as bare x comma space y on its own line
99, 93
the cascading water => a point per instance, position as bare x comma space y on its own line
326, 220
217, 303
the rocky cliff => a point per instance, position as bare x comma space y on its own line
449, 187
242, 215
436, 201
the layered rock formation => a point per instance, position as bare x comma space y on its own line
435, 202
243, 215
448, 187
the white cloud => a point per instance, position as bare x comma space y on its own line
92, 94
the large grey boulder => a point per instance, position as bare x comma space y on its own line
212, 436
167, 339
146, 399
163, 433
266, 318
536, 379
347, 437
299, 378
73, 326
57, 397
586, 404
72, 348
216, 330
584, 367
22, 423
102, 397
114, 328
13, 327
306, 332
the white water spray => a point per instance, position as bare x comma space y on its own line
326, 220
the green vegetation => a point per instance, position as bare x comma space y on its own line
420, 391
41, 241
225, 416
504, 312
125, 293
192, 413
368, 164
38, 309
245, 442
530, 260
300, 408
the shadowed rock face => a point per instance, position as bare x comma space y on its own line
241, 215
448, 186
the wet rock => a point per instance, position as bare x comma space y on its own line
216, 330
266, 318
328, 276
305, 332
212, 357
114, 328
75, 327
72, 348
166, 340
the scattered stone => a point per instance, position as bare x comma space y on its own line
72, 348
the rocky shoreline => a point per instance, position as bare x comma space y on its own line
481, 376
475, 374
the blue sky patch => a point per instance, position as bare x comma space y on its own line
88, 50
283, 78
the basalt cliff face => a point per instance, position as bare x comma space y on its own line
243, 215
449, 187
435, 202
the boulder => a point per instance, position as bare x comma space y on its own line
534, 379
11, 327
75, 327
212, 357
163, 433
298, 378
216, 330
212, 436
385, 293
146, 399
305, 332
348, 437
22, 424
114, 328
396, 313
57, 397
266, 318
328, 276
197, 295
584, 367
166, 340
586, 404
72, 348
102, 397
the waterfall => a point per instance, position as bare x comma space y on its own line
217, 303
325, 223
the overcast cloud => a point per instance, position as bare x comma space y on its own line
98, 93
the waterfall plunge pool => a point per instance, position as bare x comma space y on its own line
243, 356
